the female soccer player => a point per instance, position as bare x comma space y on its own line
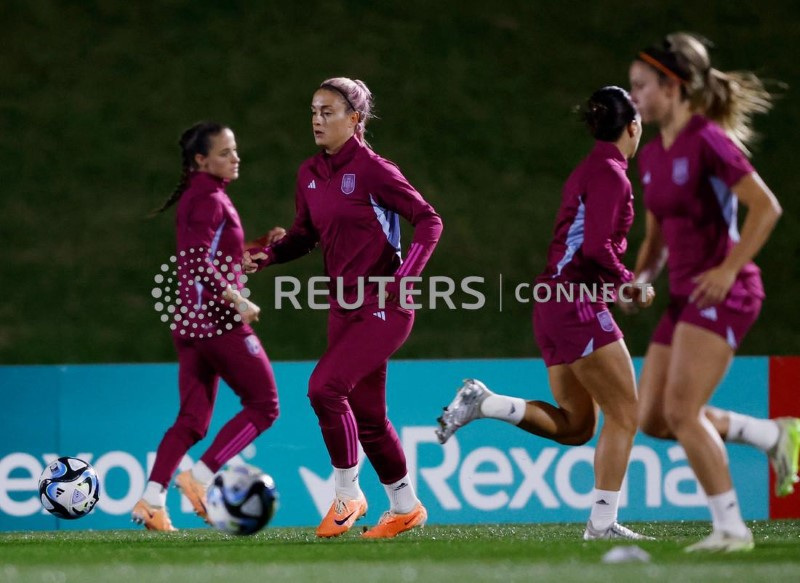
349, 200
211, 330
587, 361
694, 175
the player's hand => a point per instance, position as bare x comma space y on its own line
250, 260
247, 310
631, 300
626, 299
712, 286
275, 234
644, 296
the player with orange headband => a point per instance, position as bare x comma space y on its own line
694, 175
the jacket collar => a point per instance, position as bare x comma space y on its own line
610, 151
199, 179
344, 156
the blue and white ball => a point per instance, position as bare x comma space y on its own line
69, 488
241, 500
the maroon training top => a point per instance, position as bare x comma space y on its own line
593, 220
687, 187
210, 243
350, 204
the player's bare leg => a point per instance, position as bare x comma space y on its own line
698, 363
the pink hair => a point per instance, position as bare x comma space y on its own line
357, 97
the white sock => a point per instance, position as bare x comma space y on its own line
726, 514
760, 433
604, 508
510, 409
202, 474
155, 494
715, 436
346, 483
402, 498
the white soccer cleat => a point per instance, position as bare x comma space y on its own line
784, 456
615, 531
720, 541
465, 407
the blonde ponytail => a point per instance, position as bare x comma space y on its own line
731, 100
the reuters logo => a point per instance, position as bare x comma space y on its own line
187, 292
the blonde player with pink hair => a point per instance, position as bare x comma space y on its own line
349, 202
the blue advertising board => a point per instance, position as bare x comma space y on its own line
114, 416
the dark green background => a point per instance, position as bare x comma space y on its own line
475, 100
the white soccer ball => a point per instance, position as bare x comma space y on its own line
241, 500
69, 488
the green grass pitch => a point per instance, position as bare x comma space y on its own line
529, 552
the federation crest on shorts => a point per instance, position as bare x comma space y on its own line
606, 321
680, 171
253, 345
348, 183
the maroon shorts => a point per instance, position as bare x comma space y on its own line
566, 331
730, 319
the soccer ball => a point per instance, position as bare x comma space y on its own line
69, 488
241, 500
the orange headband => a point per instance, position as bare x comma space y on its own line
653, 62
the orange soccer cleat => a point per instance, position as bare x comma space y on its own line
152, 517
341, 516
391, 523
194, 491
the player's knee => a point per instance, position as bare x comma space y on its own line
372, 430
623, 416
317, 388
325, 390
263, 415
581, 438
628, 423
319, 397
189, 430
676, 415
580, 432
653, 424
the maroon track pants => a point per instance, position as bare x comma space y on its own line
238, 357
348, 387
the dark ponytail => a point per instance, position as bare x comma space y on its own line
607, 112
195, 140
